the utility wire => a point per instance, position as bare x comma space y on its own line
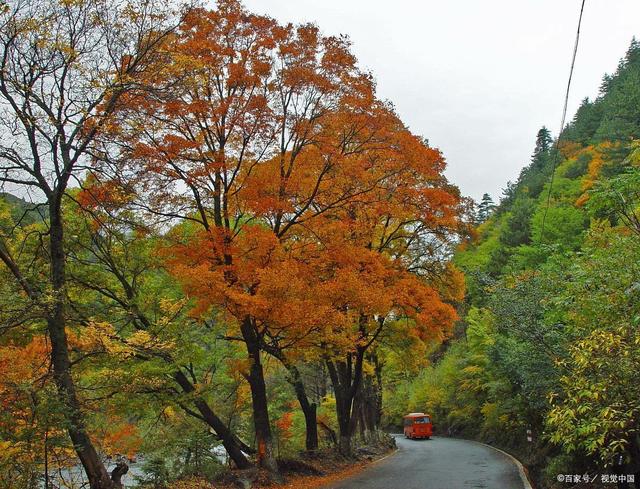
564, 116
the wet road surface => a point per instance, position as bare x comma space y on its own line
439, 463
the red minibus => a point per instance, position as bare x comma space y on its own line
418, 425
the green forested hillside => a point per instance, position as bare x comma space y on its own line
549, 340
21, 211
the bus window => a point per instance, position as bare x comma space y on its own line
422, 420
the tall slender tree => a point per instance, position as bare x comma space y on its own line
63, 68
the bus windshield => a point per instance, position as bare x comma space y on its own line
422, 420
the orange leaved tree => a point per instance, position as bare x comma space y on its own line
305, 202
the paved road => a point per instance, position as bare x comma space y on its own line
439, 463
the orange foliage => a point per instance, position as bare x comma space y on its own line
311, 213
24, 370
27, 415
119, 437
284, 425
570, 149
598, 160
317, 206
28, 397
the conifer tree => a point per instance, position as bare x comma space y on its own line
485, 208
542, 149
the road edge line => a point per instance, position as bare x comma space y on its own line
521, 471
364, 467
395, 450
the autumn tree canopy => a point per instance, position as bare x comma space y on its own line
247, 207
309, 212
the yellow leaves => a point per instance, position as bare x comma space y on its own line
96, 335
170, 310
490, 410
368, 369
239, 367
5, 212
72, 3
8, 451
169, 412
141, 339
453, 289
101, 336
473, 379
598, 412
30, 25
119, 349
472, 370
599, 159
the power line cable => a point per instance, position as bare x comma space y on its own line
564, 116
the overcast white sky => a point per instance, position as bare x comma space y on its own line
478, 78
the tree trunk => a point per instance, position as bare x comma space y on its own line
309, 409
330, 433
343, 413
266, 454
229, 440
311, 426
367, 402
378, 388
118, 473
344, 445
346, 377
93, 466
360, 415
